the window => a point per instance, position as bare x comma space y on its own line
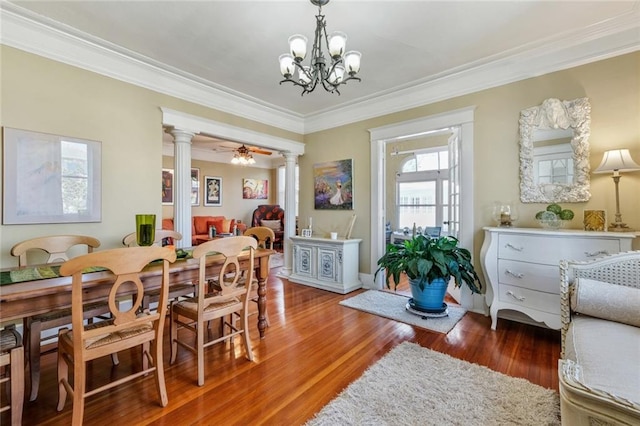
281, 182
421, 189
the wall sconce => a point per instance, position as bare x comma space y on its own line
617, 161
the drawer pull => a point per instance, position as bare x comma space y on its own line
596, 253
518, 298
514, 274
511, 246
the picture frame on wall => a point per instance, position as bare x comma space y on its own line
255, 189
595, 220
167, 186
50, 178
212, 191
195, 187
333, 185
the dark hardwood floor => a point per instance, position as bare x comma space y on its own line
312, 350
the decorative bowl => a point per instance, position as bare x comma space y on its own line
551, 223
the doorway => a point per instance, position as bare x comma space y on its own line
381, 139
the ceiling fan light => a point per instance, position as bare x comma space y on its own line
352, 62
337, 44
286, 65
298, 46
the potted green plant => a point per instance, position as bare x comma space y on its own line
429, 264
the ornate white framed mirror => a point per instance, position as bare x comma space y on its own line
554, 152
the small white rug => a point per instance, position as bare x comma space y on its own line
412, 385
390, 305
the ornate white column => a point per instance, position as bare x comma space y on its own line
289, 210
182, 185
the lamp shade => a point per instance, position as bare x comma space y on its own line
337, 44
617, 160
286, 64
352, 61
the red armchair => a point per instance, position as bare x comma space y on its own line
271, 216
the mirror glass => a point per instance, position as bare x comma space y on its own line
554, 152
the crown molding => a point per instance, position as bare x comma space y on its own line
33, 33
25, 30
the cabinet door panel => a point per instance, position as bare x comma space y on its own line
328, 264
303, 261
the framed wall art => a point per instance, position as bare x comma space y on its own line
195, 187
167, 186
333, 185
595, 220
212, 191
255, 189
50, 178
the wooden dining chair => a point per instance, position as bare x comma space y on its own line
176, 290
12, 356
194, 314
55, 248
125, 329
265, 237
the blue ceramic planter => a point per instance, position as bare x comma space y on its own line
432, 297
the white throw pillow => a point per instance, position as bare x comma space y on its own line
607, 301
275, 225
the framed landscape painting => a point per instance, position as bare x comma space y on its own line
167, 186
212, 191
195, 187
333, 185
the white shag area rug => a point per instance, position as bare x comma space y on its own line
412, 385
393, 306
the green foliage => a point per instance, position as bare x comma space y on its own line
427, 259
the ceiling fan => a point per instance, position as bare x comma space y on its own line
243, 150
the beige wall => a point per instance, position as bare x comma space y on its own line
233, 206
42, 95
613, 87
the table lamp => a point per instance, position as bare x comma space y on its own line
617, 161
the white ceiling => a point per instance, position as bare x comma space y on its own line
224, 54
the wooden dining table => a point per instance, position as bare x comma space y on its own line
32, 290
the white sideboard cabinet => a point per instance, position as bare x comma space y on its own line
521, 266
327, 264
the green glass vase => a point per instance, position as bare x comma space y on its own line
145, 229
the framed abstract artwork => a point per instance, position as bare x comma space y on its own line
50, 178
195, 187
212, 191
167, 186
255, 189
333, 185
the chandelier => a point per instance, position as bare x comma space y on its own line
243, 157
332, 74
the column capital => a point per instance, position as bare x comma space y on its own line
182, 136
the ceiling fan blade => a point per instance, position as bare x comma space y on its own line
260, 151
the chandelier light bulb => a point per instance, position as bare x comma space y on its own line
305, 75
336, 75
286, 65
337, 44
298, 47
352, 62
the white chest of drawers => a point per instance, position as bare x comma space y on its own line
521, 266
327, 264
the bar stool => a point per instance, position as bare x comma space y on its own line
12, 355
